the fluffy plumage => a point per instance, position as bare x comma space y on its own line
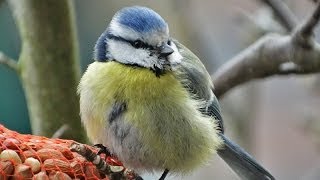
154, 110
161, 128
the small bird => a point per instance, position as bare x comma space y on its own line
150, 101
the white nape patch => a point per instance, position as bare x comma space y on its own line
175, 58
126, 54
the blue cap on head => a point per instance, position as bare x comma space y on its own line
141, 19
130, 24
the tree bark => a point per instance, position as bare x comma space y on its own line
49, 64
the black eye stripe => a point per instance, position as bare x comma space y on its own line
137, 44
133, 43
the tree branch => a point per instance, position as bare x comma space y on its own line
7, 61
284, 14
269, 54
50, 69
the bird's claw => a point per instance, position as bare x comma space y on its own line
102, 149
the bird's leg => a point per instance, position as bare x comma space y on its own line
102, 149
164, 174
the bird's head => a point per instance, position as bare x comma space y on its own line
138, 36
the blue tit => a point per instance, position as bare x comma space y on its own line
149, 100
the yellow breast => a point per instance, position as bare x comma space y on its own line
170, 126
105, 83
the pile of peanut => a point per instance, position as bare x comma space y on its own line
37, 157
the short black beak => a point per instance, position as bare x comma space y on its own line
165, 50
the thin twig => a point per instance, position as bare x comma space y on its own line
10, 63
60, 131
284, 14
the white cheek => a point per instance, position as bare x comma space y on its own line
175, 58
125, 53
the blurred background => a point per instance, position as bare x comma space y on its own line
277, 119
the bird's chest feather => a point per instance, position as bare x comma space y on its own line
160, 118
151, 101
139, 88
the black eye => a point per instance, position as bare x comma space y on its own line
137, 44
169, 42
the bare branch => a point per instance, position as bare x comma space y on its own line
284, 14
267, 56
5, 60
